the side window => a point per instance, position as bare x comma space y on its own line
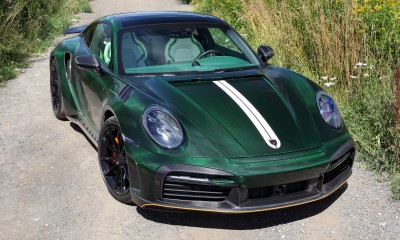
101, 43
221, 39
88, 35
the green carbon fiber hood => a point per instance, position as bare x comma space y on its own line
221, 120
276, 110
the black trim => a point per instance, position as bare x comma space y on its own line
342, 150
329, 176
175, 187
134, 176
86, 128
126, 92
186, 170
239, 204
75, 30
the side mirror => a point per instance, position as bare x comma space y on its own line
88, 62
265, 53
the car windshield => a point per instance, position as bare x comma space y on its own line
182, 48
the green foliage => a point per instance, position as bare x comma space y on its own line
370, 115
84, 6
229, 11
396, 187
28, 27
380, 22
350, 47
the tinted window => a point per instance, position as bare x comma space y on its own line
221, 39
88, 34
101, 43
184, 47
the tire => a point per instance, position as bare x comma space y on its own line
113, 161
57, 101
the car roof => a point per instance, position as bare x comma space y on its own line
142, 18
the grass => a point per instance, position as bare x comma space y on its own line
84, 6
396, 187
349, 47
28, 27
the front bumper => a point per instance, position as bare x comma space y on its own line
199, 188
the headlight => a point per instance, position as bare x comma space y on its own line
329, 110
162, 127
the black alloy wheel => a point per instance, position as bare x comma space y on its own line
113, 161
55, 91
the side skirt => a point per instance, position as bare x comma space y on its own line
86, 128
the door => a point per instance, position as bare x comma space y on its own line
93, 83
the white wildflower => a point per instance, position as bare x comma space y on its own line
328, 84
333, 79
359, 64
324, 78
366, 75
353, 77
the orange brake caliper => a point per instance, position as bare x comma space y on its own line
114, 155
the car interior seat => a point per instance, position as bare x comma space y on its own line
182, 47
134, 53
105, 55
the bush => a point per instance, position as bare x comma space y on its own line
28, 26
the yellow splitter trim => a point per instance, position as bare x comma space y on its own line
245, 211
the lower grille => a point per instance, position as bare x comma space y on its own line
264, 192
346, 164
187, 188
260, 192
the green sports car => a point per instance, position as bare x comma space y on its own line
185, 115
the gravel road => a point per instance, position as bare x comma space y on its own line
51, 187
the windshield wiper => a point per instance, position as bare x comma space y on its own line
195, 63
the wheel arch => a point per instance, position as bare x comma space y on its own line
134, 173
59, 54
107, 113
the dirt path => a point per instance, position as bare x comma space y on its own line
51, 187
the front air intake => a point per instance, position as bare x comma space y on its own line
346, 164
191, 188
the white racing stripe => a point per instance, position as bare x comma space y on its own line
259, 122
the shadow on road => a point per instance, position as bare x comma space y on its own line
242, 221
78, 129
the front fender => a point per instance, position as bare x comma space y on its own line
129, 109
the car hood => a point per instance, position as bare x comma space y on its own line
242, 116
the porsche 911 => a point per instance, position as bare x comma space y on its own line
185, 115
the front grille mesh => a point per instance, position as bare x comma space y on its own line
173, 189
